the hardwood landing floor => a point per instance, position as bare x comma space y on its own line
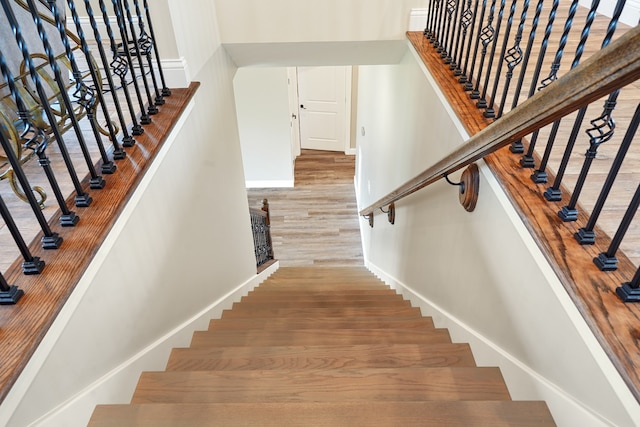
316, 221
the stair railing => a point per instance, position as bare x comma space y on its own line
261, 229
50, 94
603, 74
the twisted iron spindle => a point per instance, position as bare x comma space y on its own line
428, 28
96, 181
442, 49
165, 90
127, 140
145, 45
472, 18
468, 83
82, 199
466, 18
123, 62
539, 176
129, 40
482, 101
554, 193
630, 291
35, 139
454, 6
31, 264
515, 54
527, 160
486, 37
87, 97
439, 24
517, 147
120, 65
602, 130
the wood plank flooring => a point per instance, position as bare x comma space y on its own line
316, 222
256, 370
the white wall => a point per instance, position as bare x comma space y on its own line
262, 105
479, 274
174, 258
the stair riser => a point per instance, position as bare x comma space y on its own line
323, 312
327, 323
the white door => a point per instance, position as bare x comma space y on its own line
322, 93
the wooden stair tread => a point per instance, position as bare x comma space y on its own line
327, 414
250, 305
319, 296
323, 312
338, 385
321, 357
311, 293
236, 338
322, 323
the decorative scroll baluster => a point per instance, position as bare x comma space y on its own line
96, 181
539, 176
468, 83
486, 37
482, 101
586, 234
165, 91
82, 199
120, 67
260, 225
86, 96
127, 140
31, 264
132, 40
453, 6
554, 193
449, 9
145, 45
463, 75
457, 49
466, 19
437, 39
516, 55
602, 130
527, 160
124, 59
35, 139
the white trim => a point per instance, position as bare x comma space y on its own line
418, 19
154, 355
176, 72
350, 151
269, 184
348, 80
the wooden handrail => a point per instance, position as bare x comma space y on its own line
611, 68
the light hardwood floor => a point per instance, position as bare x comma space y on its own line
316, 222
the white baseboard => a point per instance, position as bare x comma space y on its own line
269, 184
118, 385
418, 19
522, 381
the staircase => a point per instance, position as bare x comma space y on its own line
322, 347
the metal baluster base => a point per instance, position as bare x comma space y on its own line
166, 91
627, 293
118, 155
128, 142
585, 237
159, 100
108, 167
606, 263
539, 177
83, 201
11, 296
568, 215
137, 130
527, 161
553, 194
35, 266
517, 147
69, 220
97, 183
145, 120
152, 109
51, 242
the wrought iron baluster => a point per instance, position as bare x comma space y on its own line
35, 139
120, 66
434, 21
165, 90
145, 45
96, 181
428, 28
554, 193
131, 40
468, 85
527, 160
630, 291
482, 101
127, 140
586, 235
453, 6
602, 130
464, 77
437, 39
486, 37
539, 176
31, 264
466, 19
82, 199
513, 59
457, 35
124, 59
87, 97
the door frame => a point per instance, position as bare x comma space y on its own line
294, 106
